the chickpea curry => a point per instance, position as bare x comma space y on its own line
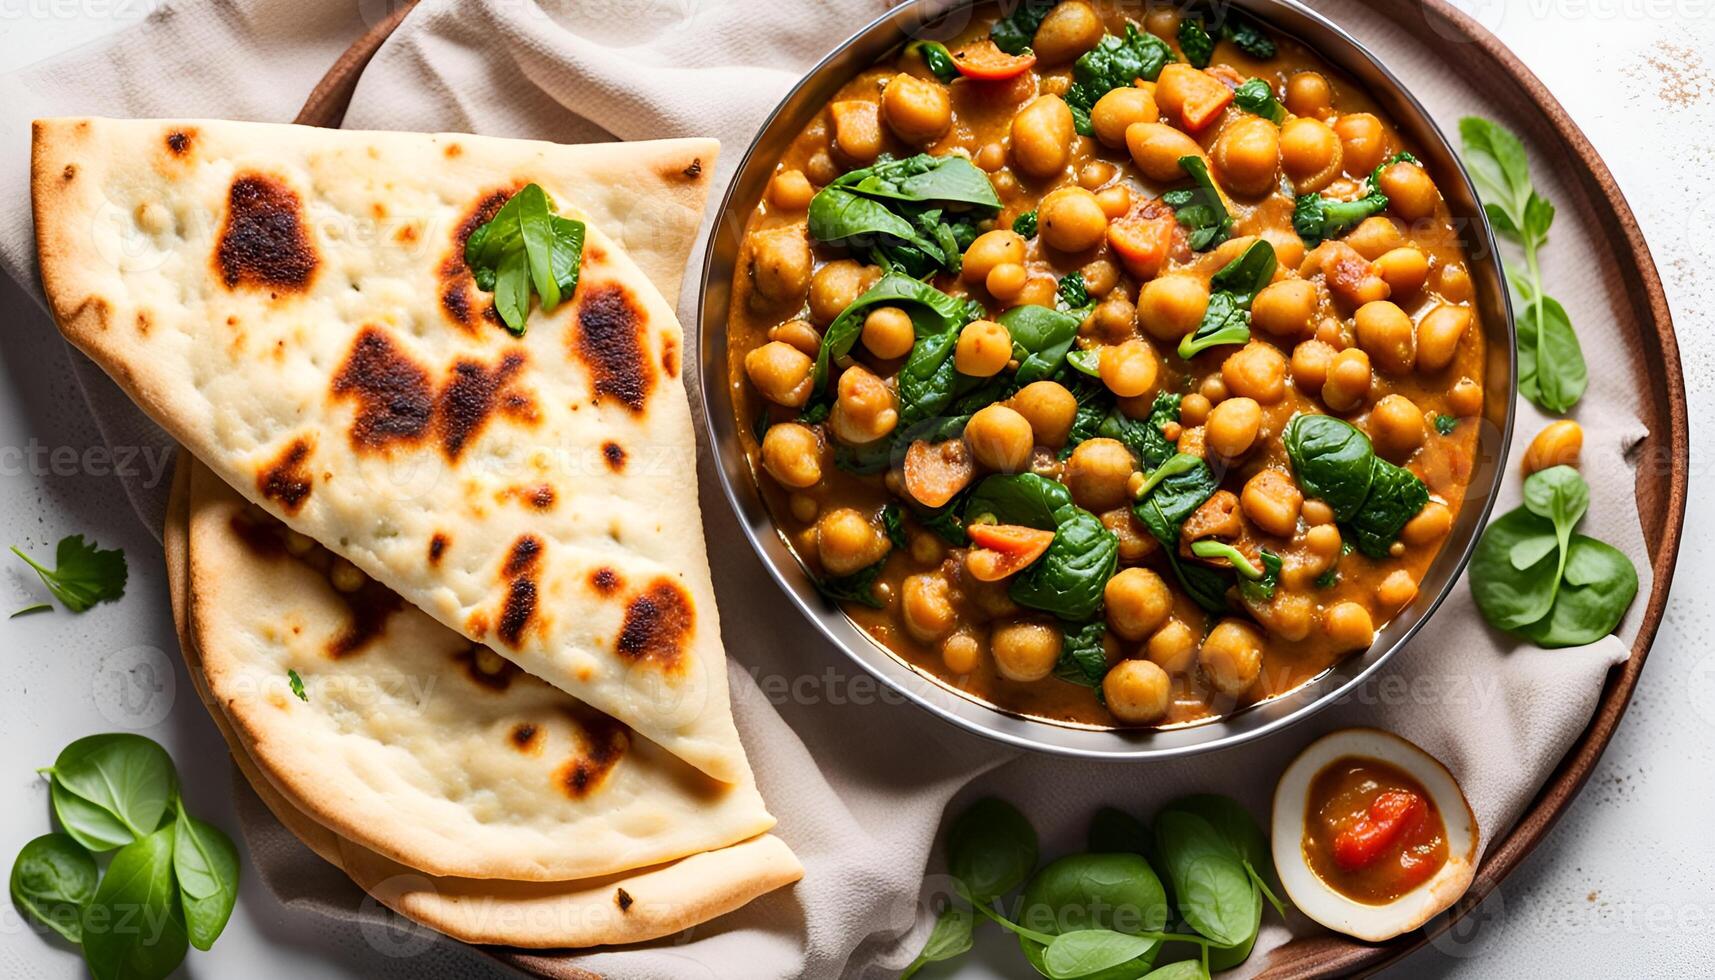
1371, 831
1116, 374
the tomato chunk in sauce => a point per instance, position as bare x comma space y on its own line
1371, 831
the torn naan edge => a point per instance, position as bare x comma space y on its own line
292, 304
630, 907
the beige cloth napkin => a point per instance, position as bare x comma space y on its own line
859, 780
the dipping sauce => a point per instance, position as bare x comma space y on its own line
1371, 832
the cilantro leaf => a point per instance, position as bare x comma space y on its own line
297, 684
83, 574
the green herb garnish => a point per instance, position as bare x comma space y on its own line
1070, 294
1445, 424
526, 248
1227, 319
936, 58
1200, 208
1014, 32
1195, 42
914, 216
82, 576
1257, 98
1025, 224
297, 685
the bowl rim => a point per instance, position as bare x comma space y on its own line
1336, 684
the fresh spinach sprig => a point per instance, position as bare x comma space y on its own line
1552, 372
82, 576
177, 874
1371, 498
526, 248
1533, 575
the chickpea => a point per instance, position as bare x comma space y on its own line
1128, 368
1042, 136
927, 549
790, 190
299, 544
1194, 409
836, 286
1116, 111
888, 332
1156, 149
1113, 318
1272, 502
1233, 427
1411, 193
926, 607
1214, 388
1000, 439
1072, 220
1096, 473
792, 454
1439, 334
916, 109
780, 264
1039, 291
1006, 281
1096, 173
1404, 270
1024, 650
804, 507
1069, 30
1348, 626
863, 408
1049, 407
1429, 526
1374, 237
1162, 21
1231, 657
1288, 247
990, 157
1466, 398
345, 576
983, 349
846, 541
1257, 371
1396, 590
990, 249
1285, 308
1309, 153
1136, 543
1322, 544
1454, 283
821, 168
1170, 307
961, 653
1138, 603
1308, 94
1101, 276
1363, 142
1173, 648
1386, 334
1316, 512
857, 130
1348, 381
800, 334
1558, 444
1247, 156
1137, 691
1311, 361
780, 372
1396, 427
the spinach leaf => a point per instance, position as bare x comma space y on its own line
1014, 32
1025, 224
858, 587
1210, 548
1317, 218
296, 683
53, 878
1085, 362
927, 379
1446, 424
893, 521
951, 180
932, 312
1041, 338
1087, 951
1115, 62
1070, 293
1227, 318
526, 246
1395, 497
946, 525
206, 865
991, 849
952, 936
1552, 342
1206, 586
936, 58
1095, 404
133, 927
1239, 829
1509, 597
1069, 578
1023, 498
1083, 659
1262, 588
1332, 460
899, 210
1195, 42
127, 776
90, 825
83, 574
1201, 209
1599, 586
1257, 97
1188, 969
1246, 34
1561, 496
1215, 893
1118, 892
1171, 493
1144, 438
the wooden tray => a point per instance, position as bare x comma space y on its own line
1661, 479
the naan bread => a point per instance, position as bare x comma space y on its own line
417, 744
292, 305
631, 907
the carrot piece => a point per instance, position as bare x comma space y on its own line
1143, 242
1003, 549
935, 472
983, 61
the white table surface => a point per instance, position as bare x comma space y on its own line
1619, 888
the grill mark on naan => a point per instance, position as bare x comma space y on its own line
524, 738
605, 743
286, 480
437, 548
623, 899
263, 242
606, 581
609, 341
395, 403
179, 141
458, 290
519, 609
261, 540
658, 625
497, 679
370, 607
473, 394
614, 453
670, 356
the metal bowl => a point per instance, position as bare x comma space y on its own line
943, 19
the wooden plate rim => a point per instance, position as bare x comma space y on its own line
1325, 956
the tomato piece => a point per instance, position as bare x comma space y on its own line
982, 61
1198, 96
1391, 815
1003, 549
1143, 242
935, 472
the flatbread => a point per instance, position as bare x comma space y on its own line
631, 907
292, 305
417, 744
